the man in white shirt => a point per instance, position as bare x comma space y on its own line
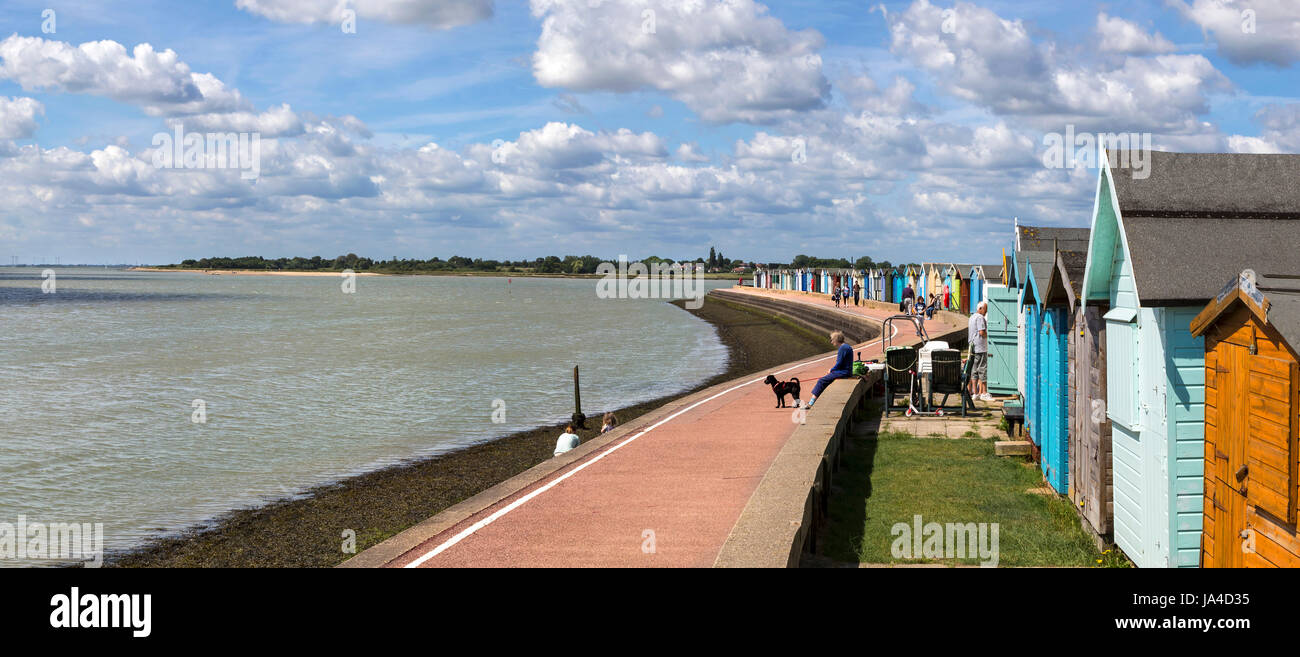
977, 335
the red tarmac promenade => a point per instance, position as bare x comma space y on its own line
664, 492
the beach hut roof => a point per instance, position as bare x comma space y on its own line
1217, 183
1067, 280
990, 272
1041, 263
1037, 244
1281, 309
1283, 293
1197, 219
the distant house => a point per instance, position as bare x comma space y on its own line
1161, 248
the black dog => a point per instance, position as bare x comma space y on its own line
783, 388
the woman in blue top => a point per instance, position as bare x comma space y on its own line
843, 366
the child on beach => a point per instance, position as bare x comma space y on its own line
568, 440
843, 366
610, 421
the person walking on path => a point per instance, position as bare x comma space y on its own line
843, 366
977, 334
909, 296
857, 292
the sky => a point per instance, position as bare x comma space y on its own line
905, 131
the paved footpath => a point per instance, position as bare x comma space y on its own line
677, 483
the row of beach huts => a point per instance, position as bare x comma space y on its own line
1156, 353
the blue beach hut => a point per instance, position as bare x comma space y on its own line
1049, 369
1036, 244
1164, 238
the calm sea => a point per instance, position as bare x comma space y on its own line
302, 384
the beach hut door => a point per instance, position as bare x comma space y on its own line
1228, 492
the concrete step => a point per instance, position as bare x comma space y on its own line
1012, 448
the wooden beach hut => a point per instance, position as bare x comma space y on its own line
1252, 421
1091, 487
1003, 325
931, 279
924, 283
1036, 244
975, 287
960, 286
1047, 368
1164, 239
900, 281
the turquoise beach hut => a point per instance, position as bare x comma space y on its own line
1003, 321
1048, 369
1164, 238
1036, 244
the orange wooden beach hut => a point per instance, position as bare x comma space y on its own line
1252, 420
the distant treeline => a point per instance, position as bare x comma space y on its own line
810, 262
548, 265
585, 264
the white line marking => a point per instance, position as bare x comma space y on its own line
468, 531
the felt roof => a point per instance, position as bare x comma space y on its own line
1198, 219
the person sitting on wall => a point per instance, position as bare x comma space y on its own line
843, 366
568, 440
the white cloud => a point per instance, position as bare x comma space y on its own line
279, 121
995, 63
438, 14
727, 61
18, 117
1257, 31
158, 82
1120, 36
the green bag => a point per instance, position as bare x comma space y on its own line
859, 368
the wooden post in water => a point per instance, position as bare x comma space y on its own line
579, 420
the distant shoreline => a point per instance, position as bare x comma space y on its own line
495, 274
253, 272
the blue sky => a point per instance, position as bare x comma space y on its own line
907, 131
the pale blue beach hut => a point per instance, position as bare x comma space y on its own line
1003, 321
1164, 238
